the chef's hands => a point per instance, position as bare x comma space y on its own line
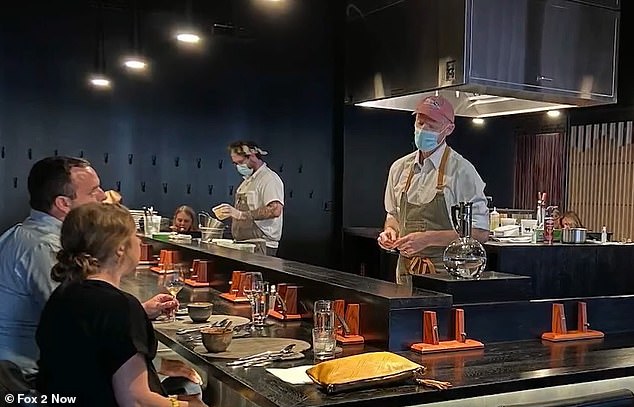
176, 368
160, 304
387, 238
412, 244
225, 211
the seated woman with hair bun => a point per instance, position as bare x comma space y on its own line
96, 341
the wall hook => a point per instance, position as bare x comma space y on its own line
165, 187
189, 189
177, 161
54, 153
29, 153
230, 190
2, 152
210, 189
118, 186
301, 168
290, 193
105, 158
153, 159
130, 158
142, 186
310, 194
199, 162
81, 154
15, 182
219, 164
281, 168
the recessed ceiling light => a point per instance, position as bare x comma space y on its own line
189, 38
478, 121
553, 113
135, 64
100, 81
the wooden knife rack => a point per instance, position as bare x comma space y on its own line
239, 280
431, 341
349, 314
560, 330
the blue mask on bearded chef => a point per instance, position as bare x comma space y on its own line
426, 140
244, 170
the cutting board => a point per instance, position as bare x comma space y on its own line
186, 322
242, 347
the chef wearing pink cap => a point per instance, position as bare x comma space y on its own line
421, 188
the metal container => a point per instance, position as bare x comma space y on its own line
573, 235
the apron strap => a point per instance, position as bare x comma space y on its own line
440, 185
421, 265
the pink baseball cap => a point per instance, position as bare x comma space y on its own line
437, 108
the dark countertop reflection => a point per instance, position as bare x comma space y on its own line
499, 368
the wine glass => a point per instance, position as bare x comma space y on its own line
173, 283
256, 292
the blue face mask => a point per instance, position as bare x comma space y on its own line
244, 170
426, 140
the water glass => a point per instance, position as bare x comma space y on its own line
151, 224
324, 315
324, 343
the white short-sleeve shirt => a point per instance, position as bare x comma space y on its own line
462, 184
261, 188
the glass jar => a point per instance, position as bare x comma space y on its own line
465, 258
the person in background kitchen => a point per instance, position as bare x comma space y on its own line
96, 341
27, 253
183, 220
556, 219
571, 220
421, 188
259, 199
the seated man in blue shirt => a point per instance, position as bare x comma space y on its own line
28, 251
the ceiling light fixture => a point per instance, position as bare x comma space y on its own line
553, 113
478, 121
188, 37
99, 80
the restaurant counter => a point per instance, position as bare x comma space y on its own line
500, 374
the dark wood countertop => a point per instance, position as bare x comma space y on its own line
499, 368
398, 296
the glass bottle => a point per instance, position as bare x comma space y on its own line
464, 257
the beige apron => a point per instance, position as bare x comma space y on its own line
419, 218
247, 229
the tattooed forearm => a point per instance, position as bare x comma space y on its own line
270, 211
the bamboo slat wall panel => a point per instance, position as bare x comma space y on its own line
600, 180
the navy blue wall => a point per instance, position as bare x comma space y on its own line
275, 88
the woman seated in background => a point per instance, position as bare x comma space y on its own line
183, 220
570, 220
96, 341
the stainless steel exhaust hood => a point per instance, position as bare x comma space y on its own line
488, 57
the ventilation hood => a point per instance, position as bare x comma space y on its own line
488, 57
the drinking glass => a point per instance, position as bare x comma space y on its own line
324, 343
173, 283
324, 315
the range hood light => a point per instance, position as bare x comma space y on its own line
553, 113
530, 110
